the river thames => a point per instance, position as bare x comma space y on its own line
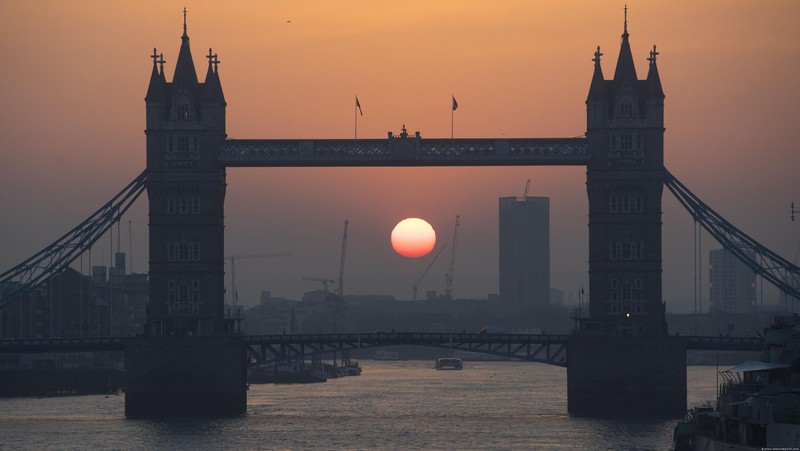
391, 406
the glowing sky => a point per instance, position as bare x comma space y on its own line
74, 76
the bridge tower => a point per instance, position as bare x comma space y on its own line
622, 361
186, 192
188, 363
625, 178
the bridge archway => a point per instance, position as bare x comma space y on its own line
188, 152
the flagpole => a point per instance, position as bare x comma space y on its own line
453, 107
355, 119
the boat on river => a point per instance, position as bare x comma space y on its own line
758, 402
448, 363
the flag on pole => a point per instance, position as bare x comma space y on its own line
455, 104
358, 105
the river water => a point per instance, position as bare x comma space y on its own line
391, 406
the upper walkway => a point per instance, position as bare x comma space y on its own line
405, 150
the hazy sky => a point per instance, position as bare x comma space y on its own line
74, 76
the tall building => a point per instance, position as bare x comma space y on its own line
624, 181
186, 192
733, 284
524, 253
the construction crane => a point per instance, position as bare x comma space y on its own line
340, 290
424, 273
233, 258
322, 280
448, 278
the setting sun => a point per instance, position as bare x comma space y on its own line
413, 237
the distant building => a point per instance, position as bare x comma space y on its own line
70, 304
733, 284
524, 253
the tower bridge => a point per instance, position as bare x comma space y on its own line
190, 360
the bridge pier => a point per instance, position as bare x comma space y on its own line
185, 377
626, 376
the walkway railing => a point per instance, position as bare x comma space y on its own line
410, 151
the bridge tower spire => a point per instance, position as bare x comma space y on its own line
625, 125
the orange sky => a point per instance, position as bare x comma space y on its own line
74, 76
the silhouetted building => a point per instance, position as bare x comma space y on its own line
733, 283
524, 253
73, 305
624, 181
186, 190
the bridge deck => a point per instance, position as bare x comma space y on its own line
411, 151
550, 349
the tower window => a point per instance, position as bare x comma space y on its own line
626, 141
183, 205
626, 150
626, 250
183, 151
182, 112
626, 110
638, 204
183, 297
171, 291
625, 297
195, 295
183, 143
183, 252
625, 203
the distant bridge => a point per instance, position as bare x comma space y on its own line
263, 349
550, 349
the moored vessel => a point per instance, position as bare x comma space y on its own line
758, 402
448, 363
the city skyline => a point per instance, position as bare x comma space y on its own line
75, 135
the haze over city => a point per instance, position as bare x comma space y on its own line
73, 119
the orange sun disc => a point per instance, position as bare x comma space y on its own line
413, 237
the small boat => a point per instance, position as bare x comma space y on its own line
448, 363
352, 369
